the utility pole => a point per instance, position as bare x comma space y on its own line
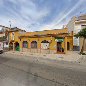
10, 24
9, 35
12, 37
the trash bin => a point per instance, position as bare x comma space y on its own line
17, 48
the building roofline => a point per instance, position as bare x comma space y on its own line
50, 30
47, 35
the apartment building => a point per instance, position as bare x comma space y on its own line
75, 25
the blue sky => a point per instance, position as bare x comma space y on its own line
34, 15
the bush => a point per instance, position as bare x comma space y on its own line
82, 53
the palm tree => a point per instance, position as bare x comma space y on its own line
82, 33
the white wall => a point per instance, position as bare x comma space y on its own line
71, 24
77, 28
74, 25
3, 34
6, 45
81, 43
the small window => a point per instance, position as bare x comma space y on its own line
25, 44
33, 44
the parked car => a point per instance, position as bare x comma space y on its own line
1, 47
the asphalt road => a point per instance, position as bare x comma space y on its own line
33, 72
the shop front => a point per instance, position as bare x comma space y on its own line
59, 44
47, 43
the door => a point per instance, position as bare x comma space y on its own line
68, 46
58, 46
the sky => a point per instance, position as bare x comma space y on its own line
38, 15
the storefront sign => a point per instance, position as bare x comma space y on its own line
59, 40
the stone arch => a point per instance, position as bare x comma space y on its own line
34, 44
44, 41
17, 46
45, 44
25, 44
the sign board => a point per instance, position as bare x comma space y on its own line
59, 40
76, 41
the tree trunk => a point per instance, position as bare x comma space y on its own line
83, 46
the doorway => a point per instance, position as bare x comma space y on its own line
59, 47
17, 47
68, 46
11, 46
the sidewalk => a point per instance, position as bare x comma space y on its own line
70, 56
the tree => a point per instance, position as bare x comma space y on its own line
3, 38
82, 33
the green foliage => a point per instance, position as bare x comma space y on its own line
81, 53
59, 37
3, 38
82, 33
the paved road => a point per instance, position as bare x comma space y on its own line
19, 72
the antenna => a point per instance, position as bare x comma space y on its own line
10, 24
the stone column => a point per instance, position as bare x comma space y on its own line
21, 49
65, 45
13, 46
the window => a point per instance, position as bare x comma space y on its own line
44, 44
25, 44
33, 44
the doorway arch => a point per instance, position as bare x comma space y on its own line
25, 44
17, 46
45, 44
33, 44
68, 46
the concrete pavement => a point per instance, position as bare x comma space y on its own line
70, 56
15, 70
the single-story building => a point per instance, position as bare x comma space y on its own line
50, 41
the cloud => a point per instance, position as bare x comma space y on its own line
60, 19
1, 3
32, 15
69, 12
48, 27
24, 16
